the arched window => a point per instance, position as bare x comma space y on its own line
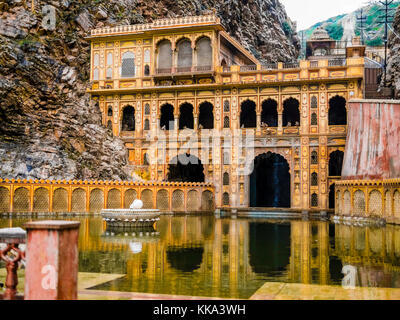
314, 200
146, 159
291, 113
109, 73
128, 65
226, 179
109, 59
314, 179
204, 52
96, 74
146, 70
227, 124
225, 199
164, 56
314, 119
337, 111
314, 157
248, 116
206, 115
314, 102
185, 55
226, 106
269, 114
186, 119
128, 119
147, 109
110, 111
146, 124
167, 117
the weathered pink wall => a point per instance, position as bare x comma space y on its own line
373, 140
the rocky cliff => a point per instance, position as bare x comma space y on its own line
48, 127
393, 69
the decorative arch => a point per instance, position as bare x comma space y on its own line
60, 200
167, 117
78, 200
178, 201
225, 199
96, 201
21, 201
186, 119
4, 199
41, 200
337, 111
269, 114
193, 203
291, 112
396, 204
130, 196
164, 56
338, 204
128, 118
314, 179
186, 168
185, 55
147, 198
226, 179
207, 201
336, 163
206, 115
162, 200
248, 115
359, 203
314, 200
375, 203
114, 199
314, 157
128, 68
346, 203
204, 52
388, 203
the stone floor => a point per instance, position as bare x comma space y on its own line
269, 291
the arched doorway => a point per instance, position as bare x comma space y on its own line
248, 116
167, 117
337, 111
128, 119
336, 163
206, 116
291, 113
270, 182
186, 168
269, 115
186, 120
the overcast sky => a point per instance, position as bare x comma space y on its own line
309, 12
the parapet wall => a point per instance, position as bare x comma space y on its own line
373, 140
61, 196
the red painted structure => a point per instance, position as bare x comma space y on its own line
52, 260
373, 140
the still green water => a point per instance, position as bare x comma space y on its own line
233, 258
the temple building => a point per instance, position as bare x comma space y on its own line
193, 105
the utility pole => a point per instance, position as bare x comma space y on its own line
386, 18
362, 19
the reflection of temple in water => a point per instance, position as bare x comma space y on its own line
233, 258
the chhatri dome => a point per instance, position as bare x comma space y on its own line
320, 34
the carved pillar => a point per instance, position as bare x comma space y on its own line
258, 123
280, 123
305, 172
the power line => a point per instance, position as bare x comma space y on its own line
362, 19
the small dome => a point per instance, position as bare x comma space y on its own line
320, 34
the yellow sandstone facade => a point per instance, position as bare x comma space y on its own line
163, 83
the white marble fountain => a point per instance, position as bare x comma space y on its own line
134, 217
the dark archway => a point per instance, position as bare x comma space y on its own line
269, 114
291, 113
206, 115
270, 182
248, 115
185, 259
128, 119
336, 163
186, 168
337, 111
186, 119
332, 196
167, 117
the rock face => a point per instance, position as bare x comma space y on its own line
393, 68
49, 129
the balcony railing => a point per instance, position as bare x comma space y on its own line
248, 68
337, 63
270, 66
314, 64
291, 65
169, 71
